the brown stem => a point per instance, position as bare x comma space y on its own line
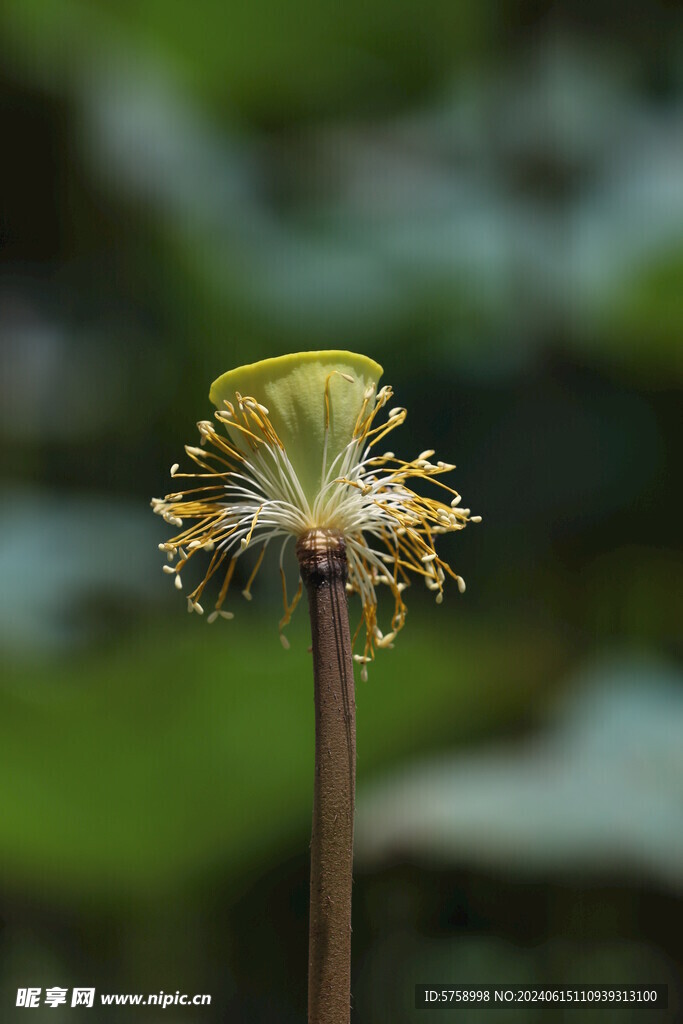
322, 558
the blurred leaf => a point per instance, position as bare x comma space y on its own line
601, 790
643, 323
269, 57
193, 748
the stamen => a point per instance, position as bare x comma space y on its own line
247, 499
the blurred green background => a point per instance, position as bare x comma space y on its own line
488, 199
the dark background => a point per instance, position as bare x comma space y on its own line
487, 199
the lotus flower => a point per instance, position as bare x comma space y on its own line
296, 448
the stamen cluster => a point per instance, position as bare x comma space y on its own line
248, 494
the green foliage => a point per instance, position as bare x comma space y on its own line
265, 58
139, 768
644, 320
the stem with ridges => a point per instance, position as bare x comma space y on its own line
322, 559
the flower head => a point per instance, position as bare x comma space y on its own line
295, 449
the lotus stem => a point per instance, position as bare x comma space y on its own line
323, 564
